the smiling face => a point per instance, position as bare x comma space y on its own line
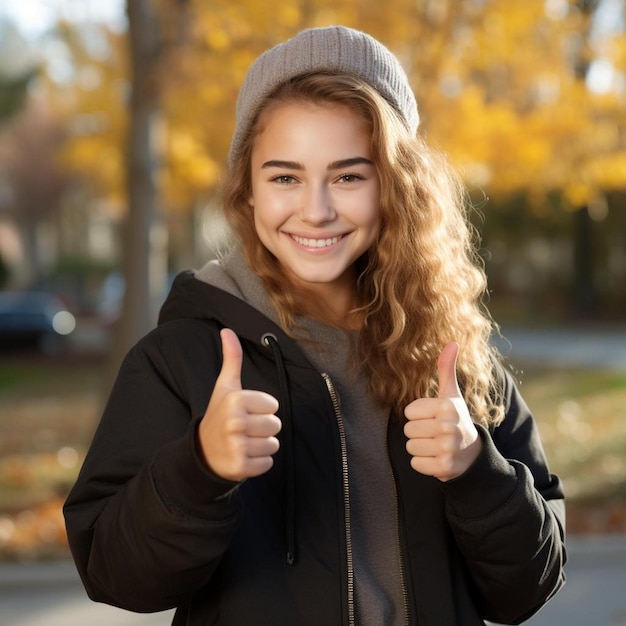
315, 194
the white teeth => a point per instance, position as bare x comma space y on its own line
315, 243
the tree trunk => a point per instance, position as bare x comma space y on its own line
585, 293
143, 241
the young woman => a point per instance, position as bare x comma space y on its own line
318, 431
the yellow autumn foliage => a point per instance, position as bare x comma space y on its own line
494, 80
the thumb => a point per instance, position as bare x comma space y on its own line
446, 370
230, 374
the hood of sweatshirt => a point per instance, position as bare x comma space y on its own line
231, 294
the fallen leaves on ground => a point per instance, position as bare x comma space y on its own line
35, 533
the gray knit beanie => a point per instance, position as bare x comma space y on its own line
334, 48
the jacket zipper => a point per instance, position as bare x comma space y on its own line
401, 539
346, 495
405, 594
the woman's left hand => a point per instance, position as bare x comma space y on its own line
442, 439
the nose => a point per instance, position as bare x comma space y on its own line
317, 207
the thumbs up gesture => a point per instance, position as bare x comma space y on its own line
238, 431
442, 439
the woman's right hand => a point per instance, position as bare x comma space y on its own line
238, 431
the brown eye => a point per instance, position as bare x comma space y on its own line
350, 178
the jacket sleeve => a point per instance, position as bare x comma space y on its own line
508, 517
147, 521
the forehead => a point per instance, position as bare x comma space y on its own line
311, 127
280, 108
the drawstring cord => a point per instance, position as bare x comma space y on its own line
271, 342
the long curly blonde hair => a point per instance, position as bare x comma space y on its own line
421, 285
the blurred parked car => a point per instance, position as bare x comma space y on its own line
31, 319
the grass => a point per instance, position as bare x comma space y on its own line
48, 412
582, 418
49, 409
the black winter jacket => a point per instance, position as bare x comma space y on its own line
152, 528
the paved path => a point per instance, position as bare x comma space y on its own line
51, 595
584, 347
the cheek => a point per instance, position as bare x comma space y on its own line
267, 221
365, 206
371, 217
270, 210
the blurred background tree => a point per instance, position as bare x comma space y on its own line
17, 69
526, 98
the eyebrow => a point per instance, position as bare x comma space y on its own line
335, 165
286, 165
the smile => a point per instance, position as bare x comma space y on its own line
316, 243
